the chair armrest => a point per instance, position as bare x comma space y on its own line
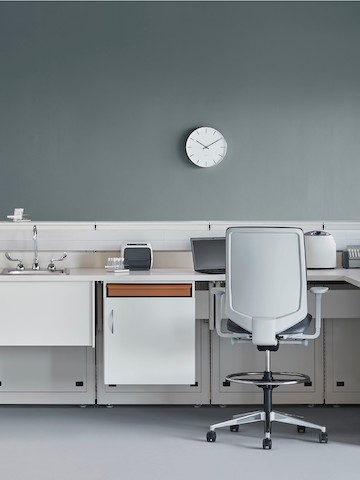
318, 292
219, 293
218, 290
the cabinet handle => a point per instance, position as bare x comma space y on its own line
111, 321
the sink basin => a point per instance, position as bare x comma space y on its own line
44, 271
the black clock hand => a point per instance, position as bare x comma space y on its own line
202, 145
212, 143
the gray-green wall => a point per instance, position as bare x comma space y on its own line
97, 99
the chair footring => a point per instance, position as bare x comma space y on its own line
277, 378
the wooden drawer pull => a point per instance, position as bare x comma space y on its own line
148, 290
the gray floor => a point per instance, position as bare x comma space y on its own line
156, 442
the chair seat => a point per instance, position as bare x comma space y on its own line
300, 327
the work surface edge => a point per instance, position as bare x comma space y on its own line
351, 276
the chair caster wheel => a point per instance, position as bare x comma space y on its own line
301, 429
267, 444
234, 428
323, 437
211, 436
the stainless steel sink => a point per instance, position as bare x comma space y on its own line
29, 271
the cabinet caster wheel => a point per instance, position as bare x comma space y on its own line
301, 429
234, 428
267, 444
323, 437
211, 436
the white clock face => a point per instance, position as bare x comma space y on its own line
206, 147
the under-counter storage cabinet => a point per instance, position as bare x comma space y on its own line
330, 361
149, 334
43, 313
342, 352
46, 339
230, 358
342, 360
47, 375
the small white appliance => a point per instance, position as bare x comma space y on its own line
320, 248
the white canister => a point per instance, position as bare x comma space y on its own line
320, 248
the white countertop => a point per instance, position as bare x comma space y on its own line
351, 276
99, 274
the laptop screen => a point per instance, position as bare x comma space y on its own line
208, 254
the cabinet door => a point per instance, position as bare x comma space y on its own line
47, 375
46, 314
149, 340
197, 393
342, 359
230, 358
341, 309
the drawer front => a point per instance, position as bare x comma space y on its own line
148, 290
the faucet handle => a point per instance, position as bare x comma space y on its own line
51, 265
20, 264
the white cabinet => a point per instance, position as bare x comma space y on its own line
230, 358
342, 361
330, 361
194, 393
46, 338
149, 334
43, 313
47, 375
342, 353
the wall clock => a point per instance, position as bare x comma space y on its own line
206, 147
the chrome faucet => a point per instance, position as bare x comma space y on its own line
35, 265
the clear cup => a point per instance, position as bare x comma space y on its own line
115, 263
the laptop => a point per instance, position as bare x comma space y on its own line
208, 254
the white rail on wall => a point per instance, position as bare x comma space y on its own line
99, 236
163, 236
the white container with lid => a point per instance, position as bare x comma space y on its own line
320, 248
